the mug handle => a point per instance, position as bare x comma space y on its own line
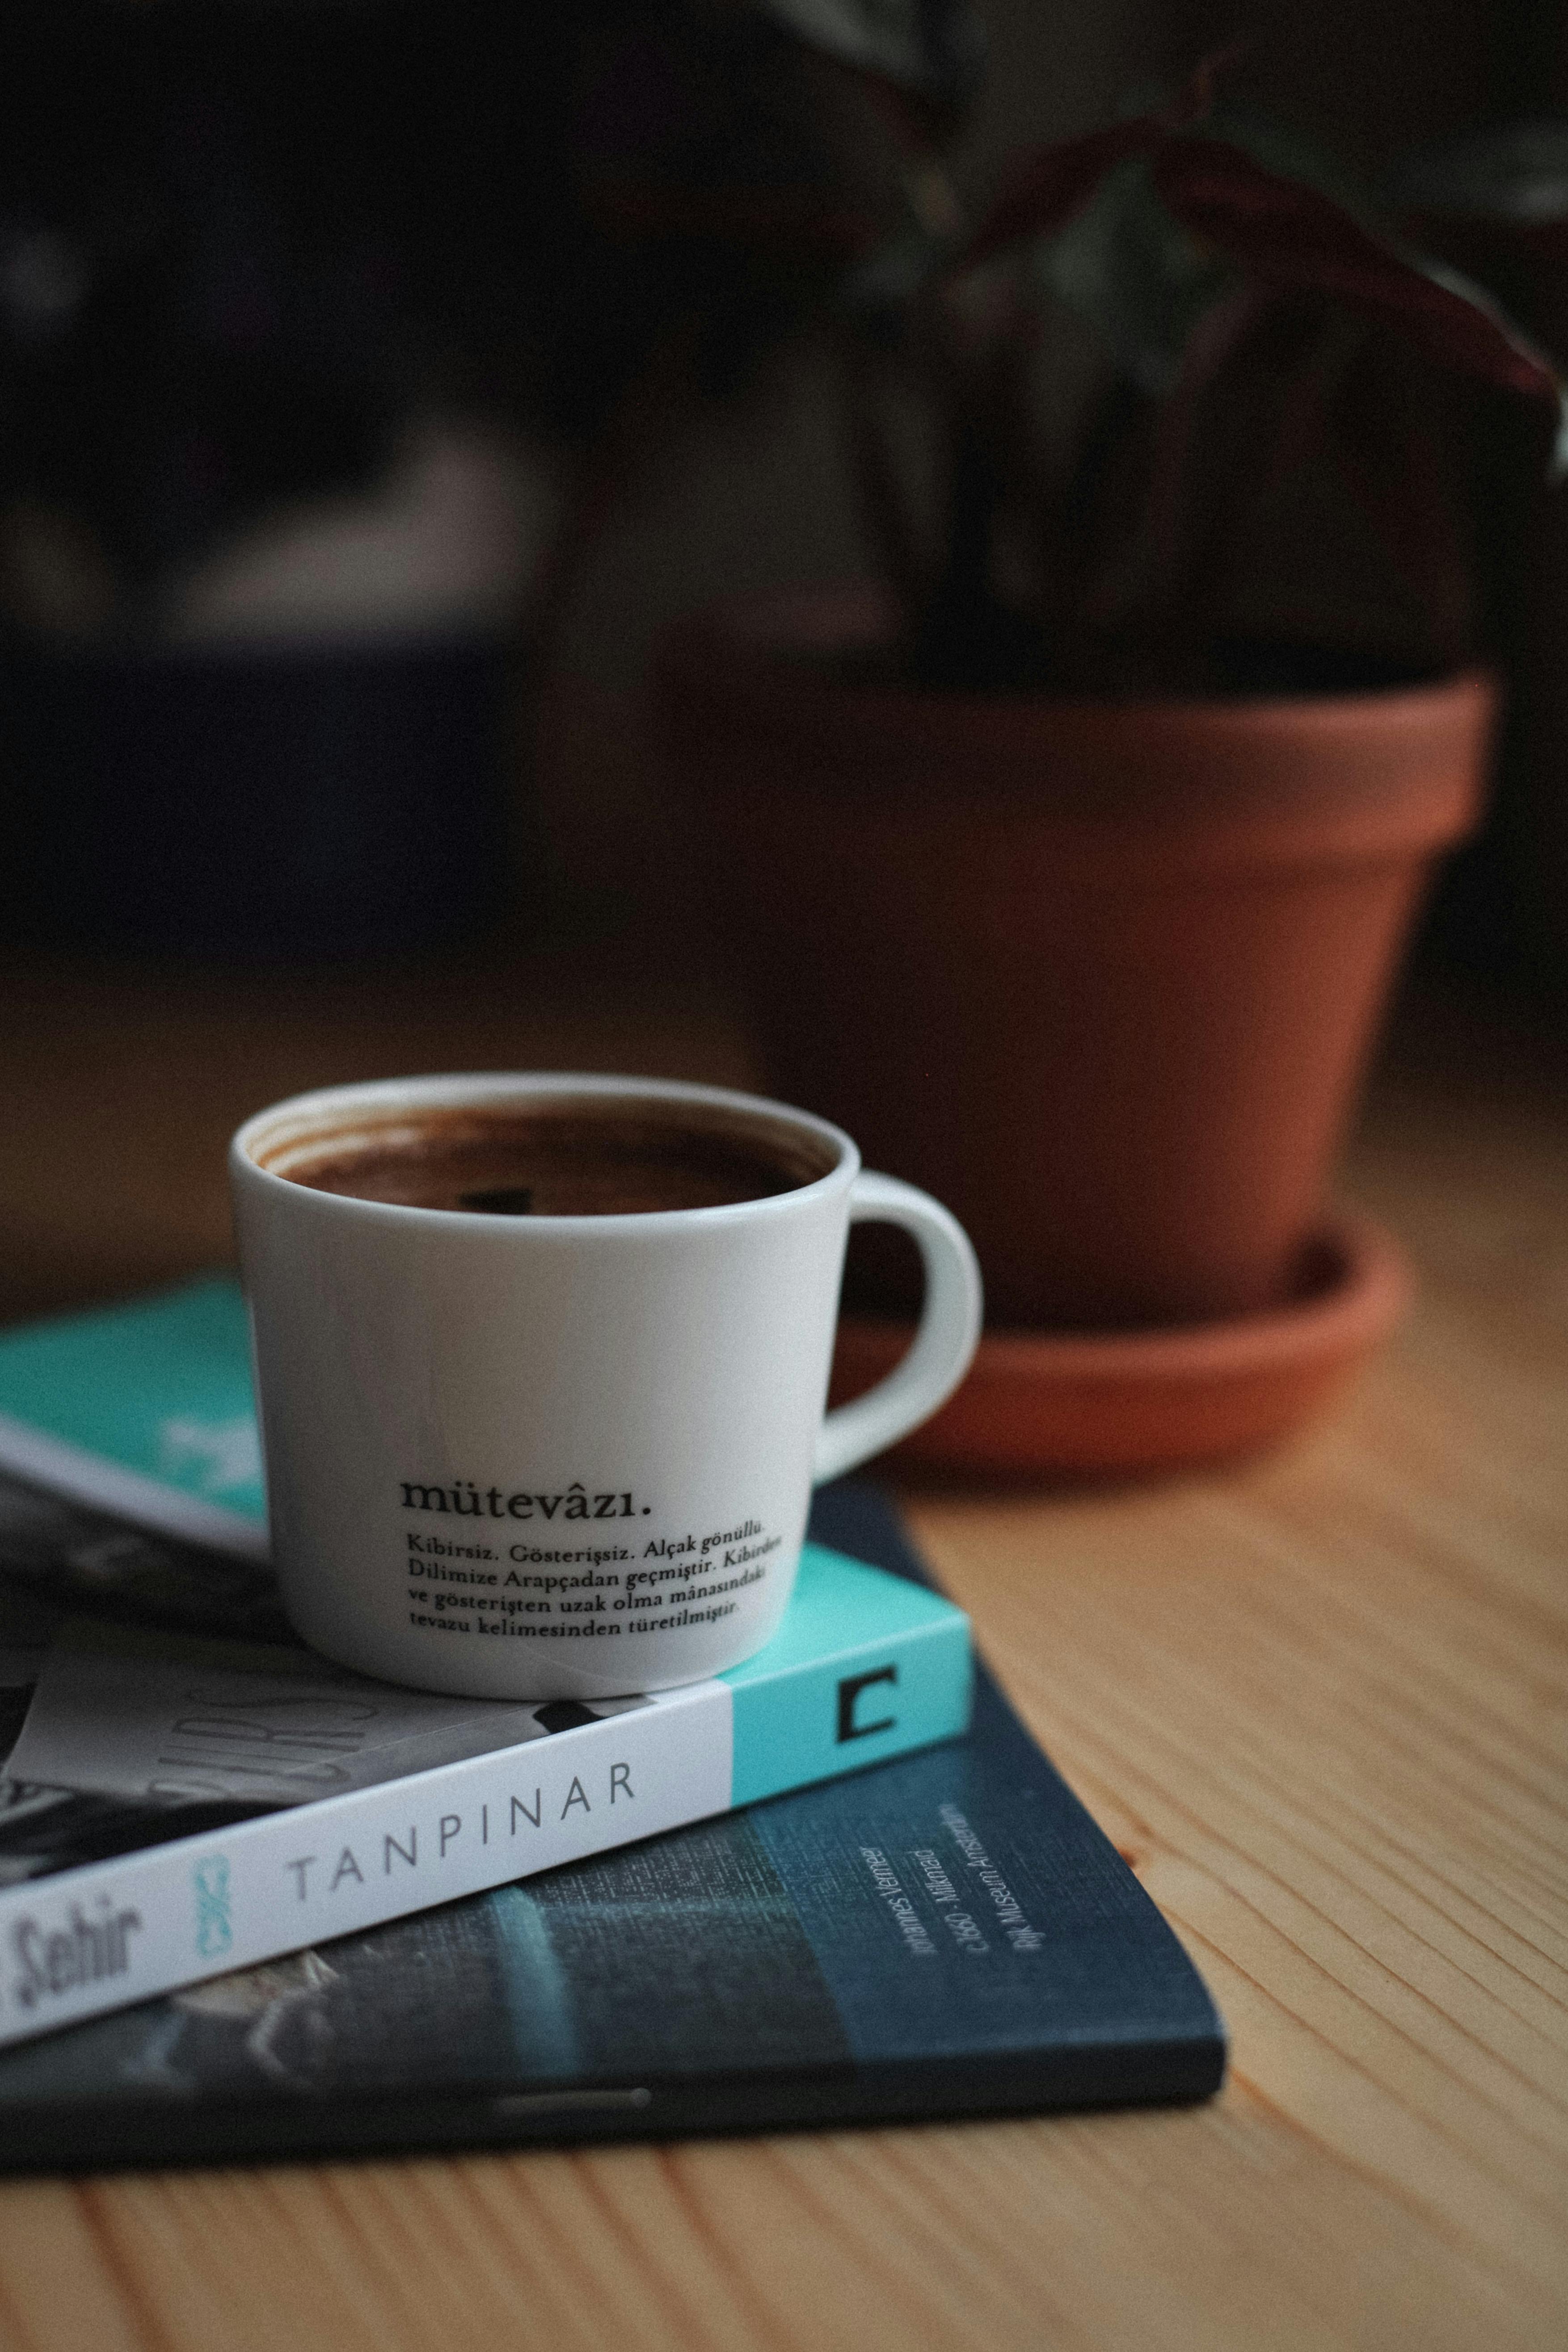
945, 1341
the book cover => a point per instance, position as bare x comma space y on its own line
947, 1934
175, 1805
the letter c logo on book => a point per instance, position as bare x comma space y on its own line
850, 1691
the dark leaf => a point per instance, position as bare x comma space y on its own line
1287, 152
1125, 265
1045, 192
935, 49
1518, 173
1288, 234
1130, 269
1049, 186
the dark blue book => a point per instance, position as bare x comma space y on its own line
944, 1935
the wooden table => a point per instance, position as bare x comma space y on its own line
1320, 1701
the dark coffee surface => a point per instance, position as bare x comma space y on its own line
574, 1162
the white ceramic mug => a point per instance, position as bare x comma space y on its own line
562, 1457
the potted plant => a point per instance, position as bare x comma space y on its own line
1072, 861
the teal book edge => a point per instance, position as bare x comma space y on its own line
865, 1665
145, 1410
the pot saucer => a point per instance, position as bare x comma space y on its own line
1119, 1404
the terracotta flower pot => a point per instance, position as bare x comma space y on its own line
1102, 977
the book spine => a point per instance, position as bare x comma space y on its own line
110, 1933
114, 1932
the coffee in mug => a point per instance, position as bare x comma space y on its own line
562, 1159
542, 1368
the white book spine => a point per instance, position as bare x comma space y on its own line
110, 1933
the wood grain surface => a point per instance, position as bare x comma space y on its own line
1320, 1701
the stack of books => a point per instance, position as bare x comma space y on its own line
251, 1904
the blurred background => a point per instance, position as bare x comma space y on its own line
379, 379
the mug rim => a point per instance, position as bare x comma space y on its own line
457, 1087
